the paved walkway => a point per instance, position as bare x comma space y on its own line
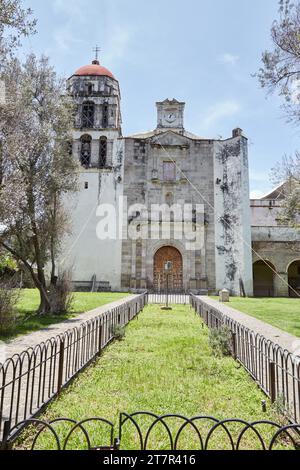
280, 337
20, 344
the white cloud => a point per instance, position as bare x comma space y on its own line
262, 176
70, 8
117, 44
228, 58
65, 38
73, 15
219, 111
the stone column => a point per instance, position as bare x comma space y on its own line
95, 153
281, 288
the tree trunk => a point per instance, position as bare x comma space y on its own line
38, 279
44, 307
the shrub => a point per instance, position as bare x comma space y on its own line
8, 301
282, 410
8, 267
220, 341
118, 332
61, 295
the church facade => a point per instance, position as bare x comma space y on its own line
163, 207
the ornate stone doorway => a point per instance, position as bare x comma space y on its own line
164, 254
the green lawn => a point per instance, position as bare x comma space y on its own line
282, 313
163, 365
29, 301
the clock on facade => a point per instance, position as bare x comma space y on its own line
170, 117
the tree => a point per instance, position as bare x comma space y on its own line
281, 73
287, 174
281, 66
38, 169
15, 22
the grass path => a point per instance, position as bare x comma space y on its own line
163, 365
28, 321
279, 312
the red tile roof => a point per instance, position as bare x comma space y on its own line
94, 69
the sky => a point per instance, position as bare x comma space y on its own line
203, 52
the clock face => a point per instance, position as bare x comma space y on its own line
170, 116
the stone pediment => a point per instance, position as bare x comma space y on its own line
170, 139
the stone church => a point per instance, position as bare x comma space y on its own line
242, 246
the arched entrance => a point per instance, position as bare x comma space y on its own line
263, 279
294, 279
164, 254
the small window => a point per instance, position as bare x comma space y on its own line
105, 116
169, 171
103, 152
89, 88
85, 152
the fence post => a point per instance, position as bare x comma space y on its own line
61, 365
100, 339
6, 431
234, 354
272, 377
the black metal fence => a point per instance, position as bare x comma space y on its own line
172, 296
276, 370
145, 430
28, 381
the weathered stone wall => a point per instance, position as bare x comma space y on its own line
232, 216
280, 255
193, 185
278, 245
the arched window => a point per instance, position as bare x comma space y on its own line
88, 114
103, 152
85, 153
105, 116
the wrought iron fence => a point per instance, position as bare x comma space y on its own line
28, 381
276, 370
146, 430
173, 297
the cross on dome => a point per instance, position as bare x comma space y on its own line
97, 49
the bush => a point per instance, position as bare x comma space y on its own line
220, 341
61, 295
8, 312
8, 267
118, 332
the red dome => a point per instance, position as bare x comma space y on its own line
94, 69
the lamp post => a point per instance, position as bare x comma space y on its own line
168, 268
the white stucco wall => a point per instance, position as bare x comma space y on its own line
83, 251
264, 213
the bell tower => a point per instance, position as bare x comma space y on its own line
98, 121
93, 255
